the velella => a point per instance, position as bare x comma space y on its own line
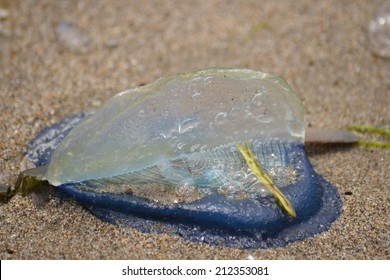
163, 158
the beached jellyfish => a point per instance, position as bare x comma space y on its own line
210, 155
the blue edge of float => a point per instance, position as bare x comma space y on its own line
213, 219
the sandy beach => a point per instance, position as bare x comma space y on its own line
64, 57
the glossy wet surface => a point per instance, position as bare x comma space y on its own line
321, 50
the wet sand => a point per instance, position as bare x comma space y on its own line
321, 48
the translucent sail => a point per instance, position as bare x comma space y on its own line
178, 115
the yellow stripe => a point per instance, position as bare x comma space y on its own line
262, 175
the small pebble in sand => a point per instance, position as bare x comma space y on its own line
111, 43
3, 13
4, 29
72, 37
379, 31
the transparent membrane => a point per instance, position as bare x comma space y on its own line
181, 131
379, 31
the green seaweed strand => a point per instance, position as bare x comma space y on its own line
372, 130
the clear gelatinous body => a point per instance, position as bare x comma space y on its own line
164, 158
182, 128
